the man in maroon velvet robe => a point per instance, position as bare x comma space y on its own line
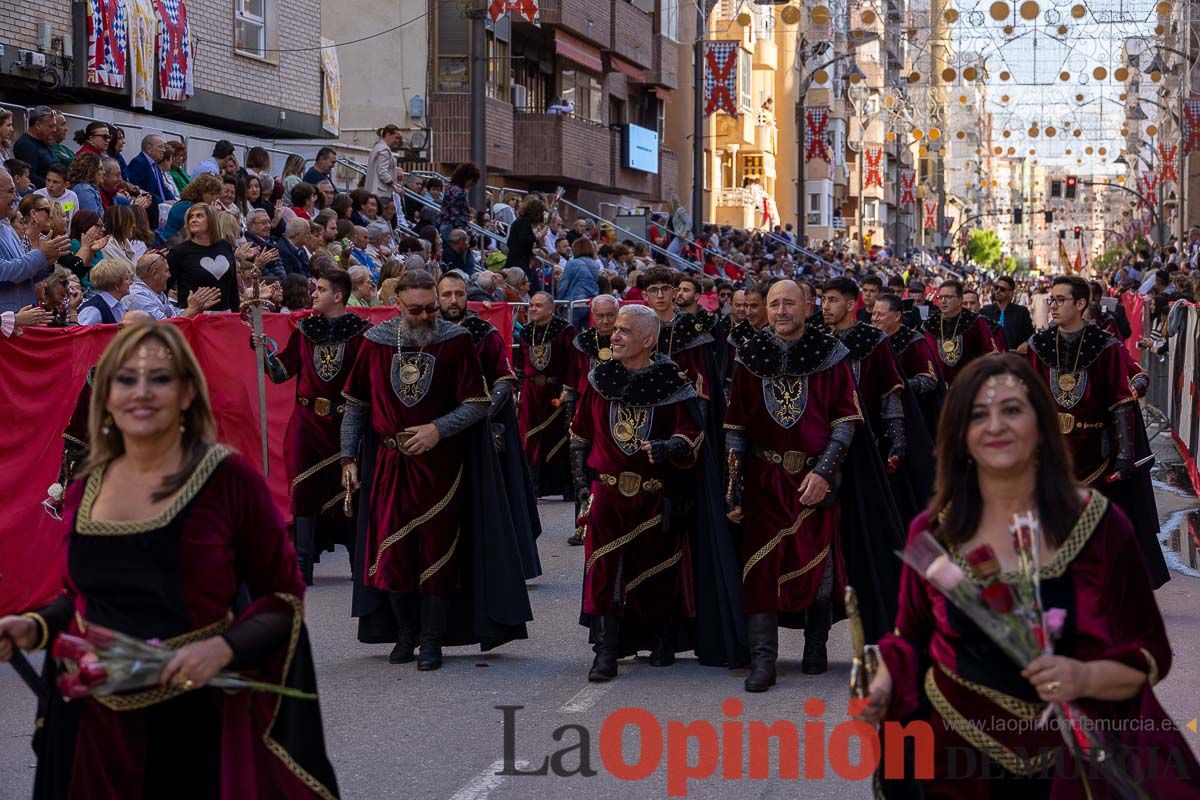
1088, 376
873, 365
542, 363
749, 317
418, 383
918, 361
958, 336
592, 348
683, 338
793, 412
632, 430
318, 355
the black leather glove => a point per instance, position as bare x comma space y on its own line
569, 406
897, 439
665, 450
733, 489
1123, 468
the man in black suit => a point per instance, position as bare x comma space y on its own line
1013, 318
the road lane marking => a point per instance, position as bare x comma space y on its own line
585, 698
479, 787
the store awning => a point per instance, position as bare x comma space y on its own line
635, 74
578, 51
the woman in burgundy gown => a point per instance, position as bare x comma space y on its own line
165, 528
1000, 454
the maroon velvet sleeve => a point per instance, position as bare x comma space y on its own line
901, 650
1116, 372
493, 358
1117, 615
740, 397
358, 382
469, 385
688, 428
843, 396
576, 370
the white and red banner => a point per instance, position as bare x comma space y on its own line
930, 215
45, 368
816, 122
874, 159
1166, 157
174, 50
908, 188
527, 10
720, 78
1191, 126
1147, 185
108, 42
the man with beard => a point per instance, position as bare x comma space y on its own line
416, 394
592, 348
683, 338
793, 413
542, 364
957, 335
499, 379
318, 355
638, 433
1098, 411
918, 362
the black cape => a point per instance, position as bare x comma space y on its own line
492, 607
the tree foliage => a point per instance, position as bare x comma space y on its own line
984, 247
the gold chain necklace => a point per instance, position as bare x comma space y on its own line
1066, 380
950, 346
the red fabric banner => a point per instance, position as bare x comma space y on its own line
1134, 304
1191, 126
874, 156
44, 371
720, 78
816, 122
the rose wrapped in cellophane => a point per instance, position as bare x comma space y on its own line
101, 661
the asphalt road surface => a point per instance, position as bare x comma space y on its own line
394, 732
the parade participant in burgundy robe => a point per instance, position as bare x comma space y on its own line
958, 336
542, 363
318, 355
1098, 413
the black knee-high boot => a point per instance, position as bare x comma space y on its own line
817, 622
433, 628
763, 632
405, 611
606, 633
306, 545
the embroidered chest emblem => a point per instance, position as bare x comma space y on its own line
629, 425
412, 373
1068, 387
785, 398
951, 350
327, 360
540, 354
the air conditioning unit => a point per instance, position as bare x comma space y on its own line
518, 96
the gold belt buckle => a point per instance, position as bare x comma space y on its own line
793, 461
629, 483
539, 380
1066, 423
321, 406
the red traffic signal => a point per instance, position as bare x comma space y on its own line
1070, 180
1078, 231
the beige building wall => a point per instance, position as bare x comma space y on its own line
379, 76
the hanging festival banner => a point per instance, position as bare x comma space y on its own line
174, 50
1191, 126
816, 121
108, 42
331, 94
908, 188
1167, 158
930, 215
1147, 185
143, 36
527, 10
874, 158
720, 78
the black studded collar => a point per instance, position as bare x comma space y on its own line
590, 343
903, 338
660, 383
860, 339
477, 326
324, 330
768, 356
682, 333
1091, 339
962, 323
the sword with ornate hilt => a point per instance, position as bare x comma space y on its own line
254, 308
864, 657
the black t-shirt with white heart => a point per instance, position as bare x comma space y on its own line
196, 266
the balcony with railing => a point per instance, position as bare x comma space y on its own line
450, 119
587, 19
632, 33
561, 147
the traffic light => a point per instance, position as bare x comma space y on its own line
1049, 217
1018, 215
1062, 234
1069, 191
1078, 231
